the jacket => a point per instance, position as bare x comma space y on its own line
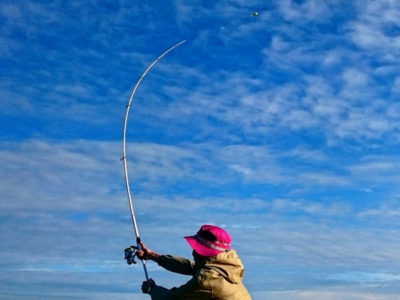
217, 277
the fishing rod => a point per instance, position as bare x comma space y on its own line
131, 252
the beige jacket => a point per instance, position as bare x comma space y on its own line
218, 277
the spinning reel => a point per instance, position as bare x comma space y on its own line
130, 254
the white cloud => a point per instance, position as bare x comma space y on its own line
288, 206
308, 10
355, 78
377, 169
373, 29
366, 277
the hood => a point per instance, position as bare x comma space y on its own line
226, 264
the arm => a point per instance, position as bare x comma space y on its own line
171, 263
176, 264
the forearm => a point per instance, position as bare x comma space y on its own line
154, 256
171, 263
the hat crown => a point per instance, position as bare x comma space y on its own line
215, 235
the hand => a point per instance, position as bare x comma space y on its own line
143, 252
146, 253
147, 286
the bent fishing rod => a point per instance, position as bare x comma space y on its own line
131, 252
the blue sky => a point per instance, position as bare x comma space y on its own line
281, 127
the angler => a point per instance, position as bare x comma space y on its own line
217, 271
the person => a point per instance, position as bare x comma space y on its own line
217, 271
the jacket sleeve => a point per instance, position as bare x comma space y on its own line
190, 290
176, 264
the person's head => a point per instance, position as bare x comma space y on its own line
210, 240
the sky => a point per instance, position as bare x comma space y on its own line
281, 127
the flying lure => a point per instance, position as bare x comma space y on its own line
131, 252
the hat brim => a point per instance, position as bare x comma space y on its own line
200, 248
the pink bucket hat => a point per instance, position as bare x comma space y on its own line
210, 240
